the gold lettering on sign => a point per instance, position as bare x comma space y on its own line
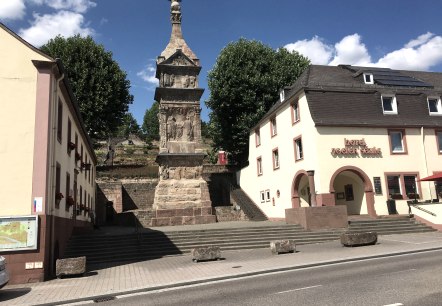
355, 147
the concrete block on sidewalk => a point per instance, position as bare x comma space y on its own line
70, 266
282, 246
350, 239
206, 253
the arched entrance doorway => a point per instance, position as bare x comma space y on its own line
352, 187
301, 195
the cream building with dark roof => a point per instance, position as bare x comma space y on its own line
47, 160
352, 136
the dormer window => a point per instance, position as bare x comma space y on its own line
282, 95
434, 106
368, 78
389, 105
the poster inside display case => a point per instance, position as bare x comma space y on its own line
18, 233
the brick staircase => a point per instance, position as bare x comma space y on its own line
131, 246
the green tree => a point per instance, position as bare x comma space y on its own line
128, 126
99, 85
244, 83
204, 130
151, 125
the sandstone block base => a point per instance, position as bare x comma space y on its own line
315, 218
206, 253
183, 220
70, 266
282, 246
358, 239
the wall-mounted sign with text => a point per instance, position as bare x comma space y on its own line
356, 147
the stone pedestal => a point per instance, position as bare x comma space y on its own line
316, 218
182, 195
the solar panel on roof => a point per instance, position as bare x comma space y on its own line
395, 78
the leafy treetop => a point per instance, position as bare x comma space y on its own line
99, 85
244, 83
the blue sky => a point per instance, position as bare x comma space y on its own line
399, 34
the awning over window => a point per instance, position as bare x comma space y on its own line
434, 177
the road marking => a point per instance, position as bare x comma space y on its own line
402, 271
397, 304
298, 289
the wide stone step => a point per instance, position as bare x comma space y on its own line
128, 255
380, 226
106, 248
180, 243
117, 237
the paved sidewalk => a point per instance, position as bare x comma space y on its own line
180, 270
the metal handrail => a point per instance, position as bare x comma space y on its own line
415, 205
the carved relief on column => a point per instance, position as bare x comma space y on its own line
162, 117
180, 124
167, 80
197, 124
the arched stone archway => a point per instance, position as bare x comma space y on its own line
368, 187
296, 202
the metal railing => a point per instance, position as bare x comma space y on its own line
416, 205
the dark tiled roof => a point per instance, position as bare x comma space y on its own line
338, 96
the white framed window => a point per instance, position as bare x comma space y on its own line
257, 137
295, 112
389, 104
273, 128
275, 156
397, 141
259, 165
262, 196
282, 95
268, 195
299, 153
368, 78
439, 141
434, 106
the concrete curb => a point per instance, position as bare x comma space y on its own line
240, 275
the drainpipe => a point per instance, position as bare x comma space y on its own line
53, 168
425, 159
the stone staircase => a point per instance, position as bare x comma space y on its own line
250, 209
131, 246
387, 226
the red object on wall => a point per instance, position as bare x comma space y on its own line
222, 158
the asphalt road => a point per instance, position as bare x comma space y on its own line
401, 280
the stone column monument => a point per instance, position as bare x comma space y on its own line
182, 195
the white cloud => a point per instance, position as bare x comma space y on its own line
350, 50
316, 50
420, 53
63, 23
12, 9
422, 39
148, 75
79, 6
